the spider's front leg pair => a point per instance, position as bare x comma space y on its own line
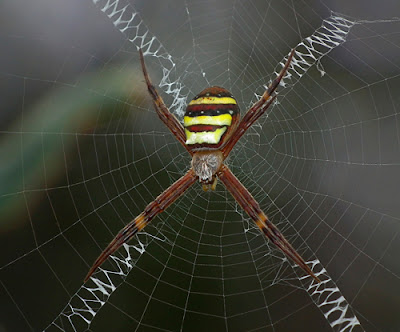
211, 129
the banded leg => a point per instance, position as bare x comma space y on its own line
162, 110
250, 205
153, 209
258, 109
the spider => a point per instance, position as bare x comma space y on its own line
211, 128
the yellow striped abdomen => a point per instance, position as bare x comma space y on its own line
210, 118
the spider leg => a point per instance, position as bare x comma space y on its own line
250, 205
162, 110
258, 108
153, 209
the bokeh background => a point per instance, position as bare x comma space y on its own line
82, 153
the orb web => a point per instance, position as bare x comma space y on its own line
87, 155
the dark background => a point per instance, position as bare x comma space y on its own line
82, 153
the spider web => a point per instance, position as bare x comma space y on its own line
83, 153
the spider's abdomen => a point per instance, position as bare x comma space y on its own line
210, 119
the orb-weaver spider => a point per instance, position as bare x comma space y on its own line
210, 130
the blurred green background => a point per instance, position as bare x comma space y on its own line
83, 152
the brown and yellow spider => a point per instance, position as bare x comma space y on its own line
210, 130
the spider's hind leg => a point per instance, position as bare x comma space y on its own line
258, 108
162, 110
275, 83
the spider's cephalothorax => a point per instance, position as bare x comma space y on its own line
210, 119
210, 130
